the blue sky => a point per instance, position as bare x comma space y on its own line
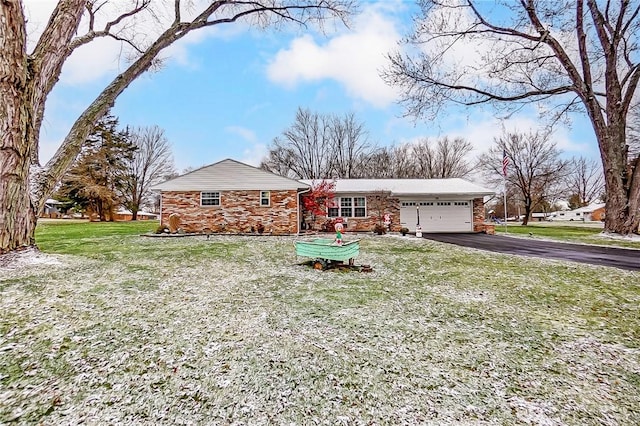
229, 91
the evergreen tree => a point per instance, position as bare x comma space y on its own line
96, 181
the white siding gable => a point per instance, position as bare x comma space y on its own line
229, 175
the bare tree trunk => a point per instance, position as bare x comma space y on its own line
622, 181
17, 214
528, 208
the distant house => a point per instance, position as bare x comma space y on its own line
52, 209
230, 196
592, 212
124, 214
541, 217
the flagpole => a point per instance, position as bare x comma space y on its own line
504, 192
505, 164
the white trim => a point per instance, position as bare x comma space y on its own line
268, 198
219, 198
352, 207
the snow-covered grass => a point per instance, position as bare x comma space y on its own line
232, 330
569, 232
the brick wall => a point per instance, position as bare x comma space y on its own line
237, 213
367, 224
479, 223
598, 214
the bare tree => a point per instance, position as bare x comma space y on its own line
28, 78
444, 159
535, 170
304, 147
570, 55
152, 163
350, 146
378, 164
584, 181
319, 146
633, 134
401, 165
281, 160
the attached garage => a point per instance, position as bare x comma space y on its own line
437, 215
443, 205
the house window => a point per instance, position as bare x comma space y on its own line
348, 207
209, 198
265, 198
360, 207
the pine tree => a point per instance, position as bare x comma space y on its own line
96, 181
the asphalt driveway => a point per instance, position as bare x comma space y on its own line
594, 255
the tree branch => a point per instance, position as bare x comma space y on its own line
59, 163
45, 63
106, 31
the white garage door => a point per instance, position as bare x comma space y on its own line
437, 216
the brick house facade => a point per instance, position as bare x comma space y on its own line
238, 212
437, 205
229, 196
392, 209
232, 197
366, 223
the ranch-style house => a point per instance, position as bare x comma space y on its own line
230, 196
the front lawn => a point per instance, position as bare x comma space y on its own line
562, 232
231, 330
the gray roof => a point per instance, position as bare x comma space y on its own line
589, 209
229, 175
411, 187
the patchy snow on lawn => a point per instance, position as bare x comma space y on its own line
612, 236
233, 330
27, 257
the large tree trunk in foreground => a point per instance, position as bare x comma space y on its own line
622, 181
17, 215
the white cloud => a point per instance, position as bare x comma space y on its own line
482, 129
246, 134
92, 62
255, 154
37, 14
354, 59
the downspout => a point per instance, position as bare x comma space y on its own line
298, 194
160, 208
